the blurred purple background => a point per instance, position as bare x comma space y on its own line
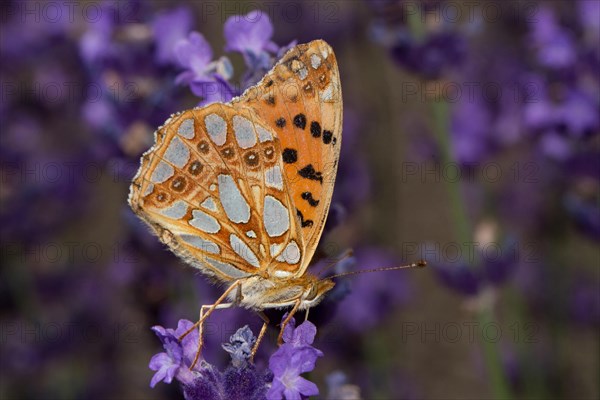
471, 139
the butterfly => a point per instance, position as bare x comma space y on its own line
241, 190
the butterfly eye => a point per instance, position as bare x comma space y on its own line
312, 294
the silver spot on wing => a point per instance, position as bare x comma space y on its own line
235, 205
216, 128
275, 217
242, 250
186, 129
204, 222
201, 244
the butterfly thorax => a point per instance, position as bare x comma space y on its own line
260, 293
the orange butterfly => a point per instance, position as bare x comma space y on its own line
242, 190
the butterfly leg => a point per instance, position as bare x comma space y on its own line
205, 311
286, 321
261, 334
203, 315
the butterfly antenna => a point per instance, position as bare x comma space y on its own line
347, 254
420, 264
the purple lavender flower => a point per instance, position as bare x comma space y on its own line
585, 213
95, 45
169, 28
372, 295
354, 182
459, 277
295, 357
303, 335
471, 123
561, 122
235, 383
581, 200
491, 264
240, 380
589, 13
195, 54
178, 356
578, 113
240, 346
574, 114
554, 45
500, 267
250, 35
584, 302
430, 57
207, 78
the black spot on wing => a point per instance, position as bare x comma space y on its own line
308, 222
327, 136
290, 156
315, 129
308, 197
280, 122
300, 121
309, 172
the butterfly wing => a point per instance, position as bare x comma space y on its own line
213, 190
301, 100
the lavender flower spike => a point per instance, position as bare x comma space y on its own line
240, 346
240, 380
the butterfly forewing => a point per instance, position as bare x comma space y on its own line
300, 99
244, 188
214, 190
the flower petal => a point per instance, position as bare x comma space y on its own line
158, 360
306, 387
291, 394
276, 390
249, 33
304, 334
194, 52
158, 376
168, 28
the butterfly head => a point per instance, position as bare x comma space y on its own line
314, 290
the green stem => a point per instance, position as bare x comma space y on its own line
492, 359
416, 25
464, 232
440, 127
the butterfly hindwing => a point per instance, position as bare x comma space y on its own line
300, 99
214, 190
